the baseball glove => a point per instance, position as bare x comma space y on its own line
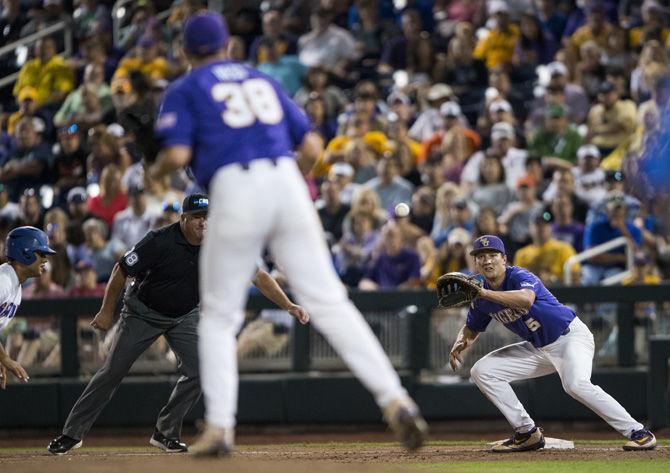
457, 289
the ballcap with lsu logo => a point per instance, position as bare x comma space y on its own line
487, 243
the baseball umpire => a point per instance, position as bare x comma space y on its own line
164, 300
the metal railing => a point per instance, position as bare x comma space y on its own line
414, 335
598, 250
64, 26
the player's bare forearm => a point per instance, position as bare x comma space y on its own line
169, 160
466, 337
518, 299
115, 286
271, 289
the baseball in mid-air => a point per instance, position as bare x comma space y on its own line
402, 210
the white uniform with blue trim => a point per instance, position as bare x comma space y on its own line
10, 294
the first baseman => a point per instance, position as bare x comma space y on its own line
163, 299
26, 250
556, 340
238, 129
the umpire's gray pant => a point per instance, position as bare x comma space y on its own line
139, 328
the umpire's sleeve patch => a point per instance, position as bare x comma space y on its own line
131, 258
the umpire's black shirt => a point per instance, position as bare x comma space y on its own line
165, 268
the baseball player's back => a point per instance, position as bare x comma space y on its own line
229, 113
238, 128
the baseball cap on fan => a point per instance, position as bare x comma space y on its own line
195, 204
205, 33
487, 243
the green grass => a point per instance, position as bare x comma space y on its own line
576, 466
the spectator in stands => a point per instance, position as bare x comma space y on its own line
496, 48
272, 29
365, 109
43, 287
401, 52
315, 107
111, 199
331, 210
445, 196
576, 100
132, 223
612, 120
354, 250
596, 29
343, 173
535, 46
169, 215
316, 82
654, 25
30, 209
284, 68
503, 141
557, 141
460, 216
589, 177
77, 205
48, 73
517, 216
389, 186
395, 266
147, 61
652, 64
430, 121
141, 21
327, 45
27, 100
565, 228
28, 164
371, 34
11, 22
8, 209
563, 186
492, 190
590, 71
615, 225
90, 17
51, 13
105, 150
546, 256
423, 208
466, 74
452, 255
75, 106
69, 165
86, 282
552, 19
102, 253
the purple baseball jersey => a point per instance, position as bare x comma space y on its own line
546, 320
229, 113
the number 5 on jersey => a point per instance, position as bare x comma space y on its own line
532, 324
251, 100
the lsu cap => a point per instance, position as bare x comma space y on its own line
205, 33
487, 243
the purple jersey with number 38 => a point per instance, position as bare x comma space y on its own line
546, 320
224, 103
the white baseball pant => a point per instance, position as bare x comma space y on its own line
571, 356
269, 205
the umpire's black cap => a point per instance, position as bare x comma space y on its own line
195, 203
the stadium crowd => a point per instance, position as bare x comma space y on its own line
522, 118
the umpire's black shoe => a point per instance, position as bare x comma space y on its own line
169, 445
63, 444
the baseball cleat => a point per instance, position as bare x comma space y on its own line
213, 442
521, 442
641, 440
405, 420
63, 444
169, 445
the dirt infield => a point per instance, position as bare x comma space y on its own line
298, 458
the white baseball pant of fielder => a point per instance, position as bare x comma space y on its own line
571, 356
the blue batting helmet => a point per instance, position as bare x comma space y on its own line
23, 242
